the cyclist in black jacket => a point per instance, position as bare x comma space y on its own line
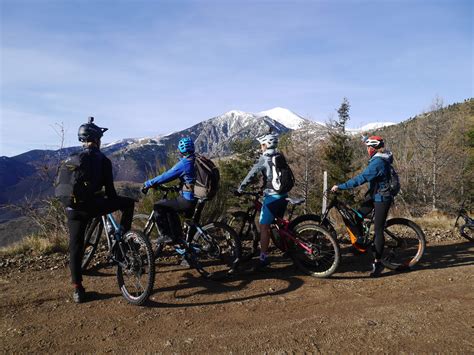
96, 171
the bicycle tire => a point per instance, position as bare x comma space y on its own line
467, 231
247, 232
91, 241
326, 255
216, 251
405, 244
313, 218
136, 265
139, 223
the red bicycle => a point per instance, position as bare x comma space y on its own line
311, 247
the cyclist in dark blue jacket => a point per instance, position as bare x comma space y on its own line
166, 211
378, 197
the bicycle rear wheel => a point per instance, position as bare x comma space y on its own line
139, 223
214, 250
467, 231
91, 240
135, 268
316, 252
404, 244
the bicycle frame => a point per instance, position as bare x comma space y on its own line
114, 238
191, 225
348, 216
282, 224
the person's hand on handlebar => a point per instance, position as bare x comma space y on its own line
335, 188
144, 190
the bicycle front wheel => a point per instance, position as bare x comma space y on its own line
404, 244
315, 251
91, 240
135, 268
247, 232
215, 250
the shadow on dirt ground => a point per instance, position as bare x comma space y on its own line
435, 257
194, 285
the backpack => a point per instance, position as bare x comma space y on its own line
392, 184
70, 185
283, 179
207, 178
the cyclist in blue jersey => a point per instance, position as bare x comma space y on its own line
166, 211
377, 174
274, 204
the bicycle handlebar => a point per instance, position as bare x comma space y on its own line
163, 188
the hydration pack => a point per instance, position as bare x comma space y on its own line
283, 179
207, 178
392, 185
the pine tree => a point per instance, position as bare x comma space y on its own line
338, 152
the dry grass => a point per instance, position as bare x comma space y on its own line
37, 244
435, 220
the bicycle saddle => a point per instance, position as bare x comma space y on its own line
295, 201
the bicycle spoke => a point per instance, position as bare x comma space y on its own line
404, 244
136, 272
315, 251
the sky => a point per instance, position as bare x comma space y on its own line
150, 67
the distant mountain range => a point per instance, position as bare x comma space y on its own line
30, 173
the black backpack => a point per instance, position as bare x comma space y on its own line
207, 178
72, 185
392, 185
394, 182
283, 179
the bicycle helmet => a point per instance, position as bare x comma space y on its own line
186, 145
89, 132
374, 142
270, 140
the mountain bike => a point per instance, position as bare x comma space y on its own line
404, 240
312, 248
467, 228
212, 249
131, 252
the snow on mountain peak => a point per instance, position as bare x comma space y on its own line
284, 116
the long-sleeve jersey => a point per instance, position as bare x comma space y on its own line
263, 165
184, 171
377, 174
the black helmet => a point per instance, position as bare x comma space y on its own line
89, 132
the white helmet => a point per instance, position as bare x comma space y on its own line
270, 140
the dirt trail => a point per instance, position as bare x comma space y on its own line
427, 310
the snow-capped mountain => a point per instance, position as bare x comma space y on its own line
370, 127
286, 117
134, 159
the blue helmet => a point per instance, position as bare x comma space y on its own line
186, 145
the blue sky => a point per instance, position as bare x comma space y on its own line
144, 67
